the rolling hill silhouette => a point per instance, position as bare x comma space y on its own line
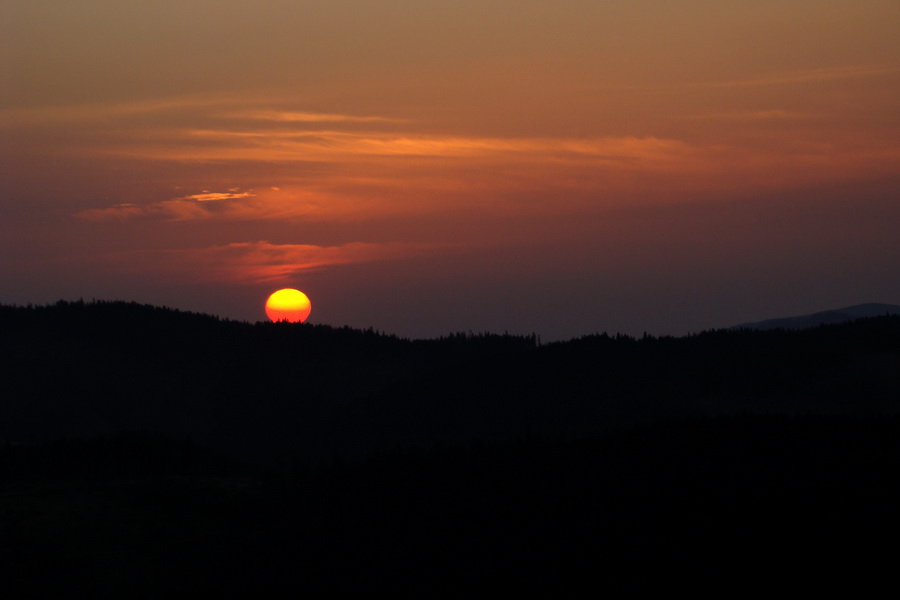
153, 449
827, 317
266, 390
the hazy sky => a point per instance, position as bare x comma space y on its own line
431, 167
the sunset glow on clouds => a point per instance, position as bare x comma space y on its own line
609, 156
258, 262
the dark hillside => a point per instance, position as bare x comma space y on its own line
265, 391
765, 501
149, 450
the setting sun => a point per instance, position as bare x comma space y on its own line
288, 305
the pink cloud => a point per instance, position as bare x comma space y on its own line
260, 261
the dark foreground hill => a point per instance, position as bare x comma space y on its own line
759, 502
149, 452
268, 391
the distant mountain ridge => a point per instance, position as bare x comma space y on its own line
827, 317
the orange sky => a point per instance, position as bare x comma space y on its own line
448, 166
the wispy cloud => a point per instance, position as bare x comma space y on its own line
359, 175
356, 201
331, 145
207, 196
288, 116
216, 107
173, 210
193, 206
341, 166
261, 261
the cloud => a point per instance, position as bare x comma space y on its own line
335, 146
172, 210
287, 116
273, 203
207, 196
358, 175
260, 261
204, 205
209, 107
324, 169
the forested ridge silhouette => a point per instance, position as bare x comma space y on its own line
145, 447
269, 390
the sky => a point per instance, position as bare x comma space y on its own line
424, 168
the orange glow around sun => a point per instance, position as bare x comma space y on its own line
288, 305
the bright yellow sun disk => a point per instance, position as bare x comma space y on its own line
288, 305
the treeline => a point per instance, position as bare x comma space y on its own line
269, 390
